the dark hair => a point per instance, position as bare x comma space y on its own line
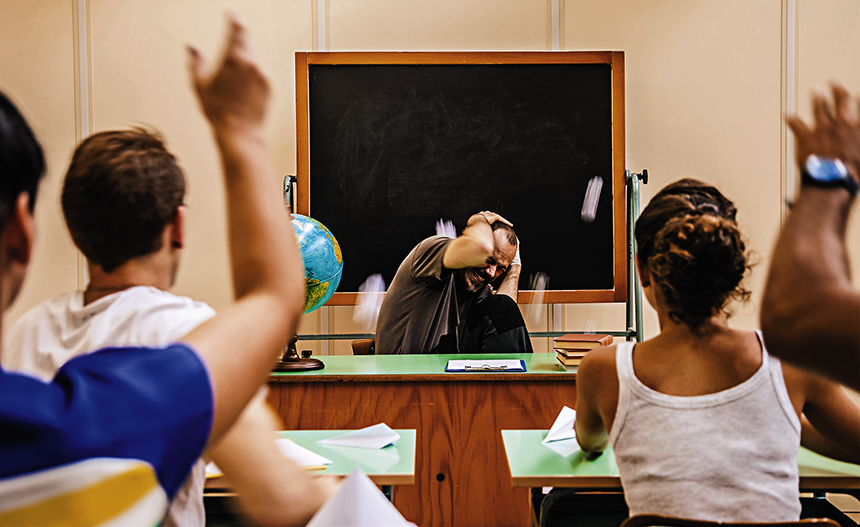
508, 230
22, 162
121, 191
689, 241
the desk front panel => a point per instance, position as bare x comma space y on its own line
461, 474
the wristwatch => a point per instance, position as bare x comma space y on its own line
827, 173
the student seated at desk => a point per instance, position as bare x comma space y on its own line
111, 437
122, 201
705, 423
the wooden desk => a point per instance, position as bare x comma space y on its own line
461, 475
563, 464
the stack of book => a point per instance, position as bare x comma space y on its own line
571, 348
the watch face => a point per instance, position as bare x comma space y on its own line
826, 170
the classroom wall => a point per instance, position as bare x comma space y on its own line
704, 82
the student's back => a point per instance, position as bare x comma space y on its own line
703, 422
690, 454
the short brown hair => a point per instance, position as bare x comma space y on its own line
121, 190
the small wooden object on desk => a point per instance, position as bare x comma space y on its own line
290, 360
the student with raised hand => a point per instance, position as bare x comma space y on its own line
69, 453
122, 201
704, 423
810, 313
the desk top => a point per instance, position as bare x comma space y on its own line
392, 465
384, 368
564, 464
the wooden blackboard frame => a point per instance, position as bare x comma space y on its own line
615, 59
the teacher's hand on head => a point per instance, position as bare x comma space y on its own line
492, 218
237, 93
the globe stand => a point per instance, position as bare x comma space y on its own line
290, 361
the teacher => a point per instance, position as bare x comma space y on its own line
441, 300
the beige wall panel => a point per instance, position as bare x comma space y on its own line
37, 70
139, 76
702, 100
829, 50
473, 25
598, 318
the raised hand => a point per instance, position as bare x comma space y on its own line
236, 94
835, 134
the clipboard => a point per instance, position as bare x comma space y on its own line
473, 365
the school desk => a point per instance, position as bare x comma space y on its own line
389, 466
563, 464
461, 476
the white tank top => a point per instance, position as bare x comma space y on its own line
726, 456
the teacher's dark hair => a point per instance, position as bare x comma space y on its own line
510, 235
22, 162
690, 243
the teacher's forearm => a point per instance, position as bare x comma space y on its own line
510, 285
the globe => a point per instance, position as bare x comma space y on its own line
322, 259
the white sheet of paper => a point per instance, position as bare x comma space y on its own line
562, 428
300, 454
565, 448
290, 449
212, 470
376, 436
358, 503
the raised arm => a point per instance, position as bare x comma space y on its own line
510, 285
810, 311
241, 343
473, 246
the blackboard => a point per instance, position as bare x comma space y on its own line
389, 143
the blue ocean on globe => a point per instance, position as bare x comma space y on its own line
322, 259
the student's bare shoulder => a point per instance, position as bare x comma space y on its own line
599, 360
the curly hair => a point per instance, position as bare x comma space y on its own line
121, 190
690, 243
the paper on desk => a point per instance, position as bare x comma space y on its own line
376, 436
562, 428
212, 470
357, 503
485, 365
289, 448
300, 454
